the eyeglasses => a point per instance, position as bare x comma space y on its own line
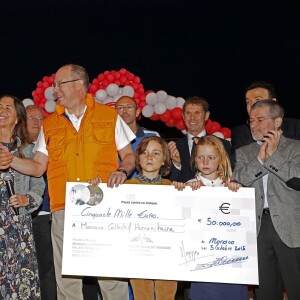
32, 118
59, 83
259, 120
127, 107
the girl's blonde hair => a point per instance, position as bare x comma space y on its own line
165, 168
224, 169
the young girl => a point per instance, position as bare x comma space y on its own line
213, 169
152, 162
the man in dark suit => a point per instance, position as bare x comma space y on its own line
195, 113
267, 165
257, 91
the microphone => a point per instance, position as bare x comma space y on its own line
10, 188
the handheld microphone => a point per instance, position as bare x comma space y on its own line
10, 188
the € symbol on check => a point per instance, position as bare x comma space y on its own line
224, 208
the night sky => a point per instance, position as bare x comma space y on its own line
211, 49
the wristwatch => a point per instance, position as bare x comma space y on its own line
123, 171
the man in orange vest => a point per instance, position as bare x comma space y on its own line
79, 142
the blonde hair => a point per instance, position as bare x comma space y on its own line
165, 168
224, 168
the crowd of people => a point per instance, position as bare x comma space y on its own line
84, 141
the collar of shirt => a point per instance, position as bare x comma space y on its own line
74, 120
190, 138
139, 132
208, 182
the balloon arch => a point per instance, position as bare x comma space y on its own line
109, 86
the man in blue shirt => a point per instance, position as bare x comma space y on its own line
129, 111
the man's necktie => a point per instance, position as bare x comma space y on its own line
195, 141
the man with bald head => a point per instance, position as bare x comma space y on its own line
130, 112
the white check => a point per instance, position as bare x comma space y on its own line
157, 232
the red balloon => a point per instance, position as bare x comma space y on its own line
51, 79
154, 117
180, 125
166, 116
123, 71
117, 75
106, 73
134, 85
105, 82
93, 88
95, 81
140, 90
208, 125
137, 79
130, 76
40, 91
177, 113
142, 97
226, 132
39, 84
142, 104
110, 78
215, 126
122, 79
171, 123
101, 77
136, 95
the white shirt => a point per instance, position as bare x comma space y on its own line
191, 141
208, 182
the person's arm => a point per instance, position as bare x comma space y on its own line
33, 167
128, 165
6, 157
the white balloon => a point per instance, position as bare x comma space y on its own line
219, 134
160, 108
112, 89
27, 102
151, 98
171, 102
147, 111
228, 139
117, 97
184, 131
180, 102
161, 96
128, 91
108, 100
50, 106
49, 94
101, 96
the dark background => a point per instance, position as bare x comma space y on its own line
211, 49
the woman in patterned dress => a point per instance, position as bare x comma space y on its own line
18, 264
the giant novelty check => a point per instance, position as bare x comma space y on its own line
157, 232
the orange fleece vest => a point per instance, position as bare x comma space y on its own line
79, 156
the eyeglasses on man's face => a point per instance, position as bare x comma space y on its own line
59, 83
125, 107
258, 120
32, 119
